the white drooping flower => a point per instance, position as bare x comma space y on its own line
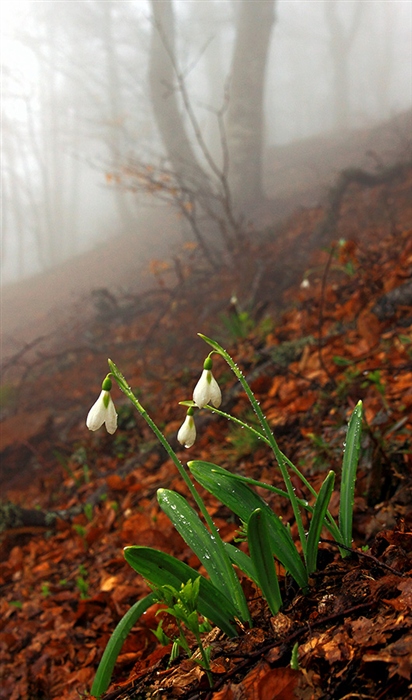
103, 410
207, 389
187, 431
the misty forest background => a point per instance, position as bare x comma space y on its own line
239, 168
111, 108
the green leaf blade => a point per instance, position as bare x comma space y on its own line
201, 542
318, 521
242, 561
243, 501
162, 569
262, 559
213, 344
107, 663
348, 480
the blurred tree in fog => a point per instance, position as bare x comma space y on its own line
38, 180
116, 106
244, 130
342, 37
79, 92
245, 122
155, 94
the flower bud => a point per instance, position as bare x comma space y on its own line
187, 432
207, 389
103, 410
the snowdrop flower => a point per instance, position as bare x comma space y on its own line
207, 389
103, 411
187, 432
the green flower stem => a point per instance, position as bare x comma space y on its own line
127, 390
240, 600
206, 662
182, 637
271, 438
330, 525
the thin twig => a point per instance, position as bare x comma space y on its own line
359, 553
321, 315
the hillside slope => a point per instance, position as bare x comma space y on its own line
298, 174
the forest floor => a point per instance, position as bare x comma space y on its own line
310, 351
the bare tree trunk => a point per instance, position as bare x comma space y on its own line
384, 67
340, 43
224, 193
52, 160
12, 215
208, 194
245, 122
115, 107
207, 17
162, 75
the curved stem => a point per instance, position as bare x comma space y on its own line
238, 592
206, 662
269, 435
330, 525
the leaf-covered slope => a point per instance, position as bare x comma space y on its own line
343, 335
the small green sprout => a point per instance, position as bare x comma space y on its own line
83, 587
182, 605
45, 589
82, 583
294, 660
80, 530
88, 511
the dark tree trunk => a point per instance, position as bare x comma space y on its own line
245, 121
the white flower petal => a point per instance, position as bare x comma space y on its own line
215, 397
187, 432
96, 416
207, 390
94, 420
100, 413
111, 418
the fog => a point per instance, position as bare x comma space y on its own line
81, 137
